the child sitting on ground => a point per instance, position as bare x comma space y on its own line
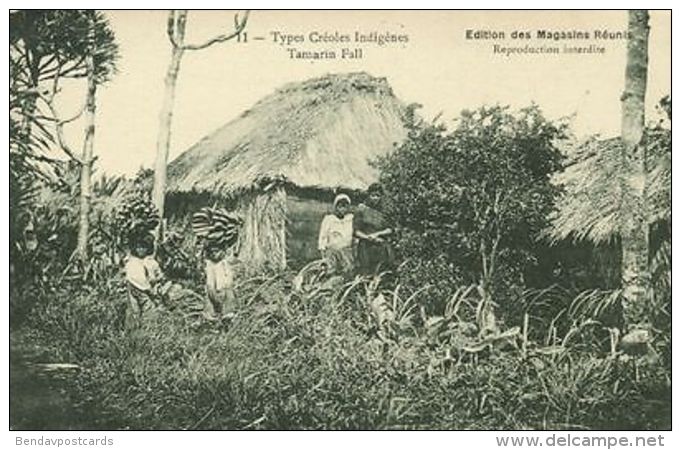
143, 276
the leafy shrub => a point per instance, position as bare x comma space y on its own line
472, 201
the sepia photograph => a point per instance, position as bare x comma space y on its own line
340, 220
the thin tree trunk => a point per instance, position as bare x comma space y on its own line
486, 317
635, 230
177, 21
87, 159
166, 116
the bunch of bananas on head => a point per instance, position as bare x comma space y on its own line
137, 216
217, 226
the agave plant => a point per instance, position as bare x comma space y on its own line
310, 280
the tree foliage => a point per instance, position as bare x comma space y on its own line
54, 43
46, 47
474, 199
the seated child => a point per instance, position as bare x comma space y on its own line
219, 282
144, 277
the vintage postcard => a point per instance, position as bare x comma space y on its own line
340, 220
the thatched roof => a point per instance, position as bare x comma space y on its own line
321, 132
600, 185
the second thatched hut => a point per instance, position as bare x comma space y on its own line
281, 161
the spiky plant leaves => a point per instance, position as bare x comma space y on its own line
45, 47
56, 41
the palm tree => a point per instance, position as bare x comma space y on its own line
618, 188
46, 47
634, 231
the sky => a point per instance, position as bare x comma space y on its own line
438, 67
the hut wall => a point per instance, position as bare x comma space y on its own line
179, 205
263, 236
282, 229
304, 219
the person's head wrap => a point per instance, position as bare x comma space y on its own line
341, 197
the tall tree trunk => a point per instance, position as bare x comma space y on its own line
635, 230
178, 20
87, 157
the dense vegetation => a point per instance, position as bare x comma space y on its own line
313, 358
493, 318
471, 204
311, 352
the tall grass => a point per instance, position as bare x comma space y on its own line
314, 357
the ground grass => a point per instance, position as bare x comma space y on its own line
313, 360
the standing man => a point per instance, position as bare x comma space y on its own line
374, 252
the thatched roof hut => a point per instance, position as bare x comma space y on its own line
304, 139
600, 185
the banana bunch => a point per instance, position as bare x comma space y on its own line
137, 215
217, 226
